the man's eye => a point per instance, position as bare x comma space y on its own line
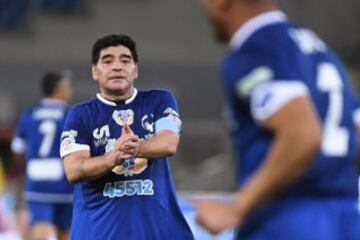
107, 61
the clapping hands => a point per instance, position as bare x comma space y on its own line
126, 146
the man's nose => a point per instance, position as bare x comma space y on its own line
117, 66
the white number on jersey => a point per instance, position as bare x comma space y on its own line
335, 138
129, 188
48, 129
307, 41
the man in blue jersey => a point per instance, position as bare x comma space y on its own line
48, 194
291, 108
115, 148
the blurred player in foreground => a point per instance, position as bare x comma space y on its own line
48, 194
115, 150
291, 107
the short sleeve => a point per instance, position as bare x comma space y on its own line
263, 80
74, 136
166, 113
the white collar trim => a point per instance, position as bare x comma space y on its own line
107, 102
255, 24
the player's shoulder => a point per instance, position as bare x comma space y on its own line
254, 59
268, 54
28, 112
265, 44
84, 104
273, 38
83, 107
155, 93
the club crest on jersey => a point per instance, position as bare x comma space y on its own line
123, 117
131, 166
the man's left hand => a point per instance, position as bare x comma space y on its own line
216, 216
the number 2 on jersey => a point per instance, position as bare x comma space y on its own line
335, 141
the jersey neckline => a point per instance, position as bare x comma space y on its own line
114, 104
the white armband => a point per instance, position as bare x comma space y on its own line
269, 97
68, 145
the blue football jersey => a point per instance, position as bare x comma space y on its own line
271, 62
38, 137
136, 200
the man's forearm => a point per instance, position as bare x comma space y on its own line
88, 169
288, 159
161, 145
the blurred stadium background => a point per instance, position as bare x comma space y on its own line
176, 51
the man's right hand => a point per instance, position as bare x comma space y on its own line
125, 146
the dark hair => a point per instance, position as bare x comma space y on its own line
50, 81
113, 40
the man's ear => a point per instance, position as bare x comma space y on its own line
136, 71
94, 73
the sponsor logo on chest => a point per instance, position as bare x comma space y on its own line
101, 136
